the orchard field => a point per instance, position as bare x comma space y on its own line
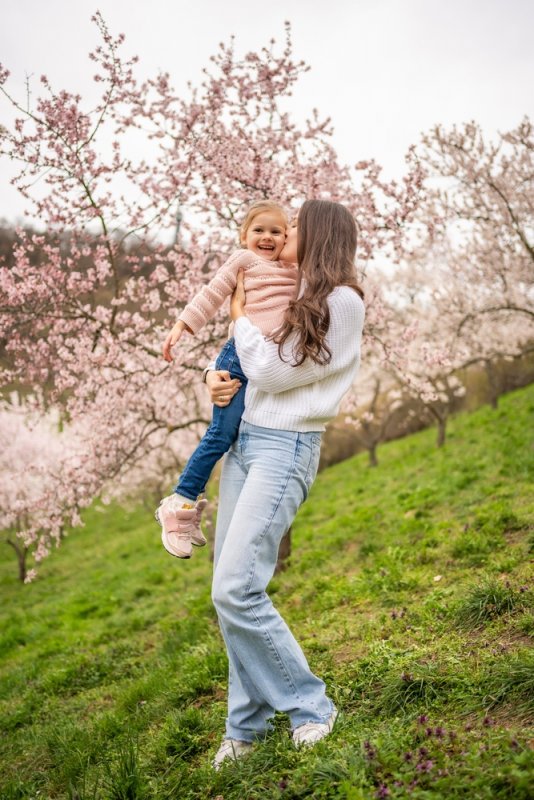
409, 586
135, 193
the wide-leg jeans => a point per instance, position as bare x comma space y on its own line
266, 476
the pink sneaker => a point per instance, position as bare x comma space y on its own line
197, 537
178, 526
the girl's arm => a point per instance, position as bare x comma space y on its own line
265, 369
207, 302
172, 337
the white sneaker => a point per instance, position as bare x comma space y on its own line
312, 732
230, 748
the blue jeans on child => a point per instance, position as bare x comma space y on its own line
266, 476
221, 433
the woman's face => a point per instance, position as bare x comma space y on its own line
289, 251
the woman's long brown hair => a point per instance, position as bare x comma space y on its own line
326, 249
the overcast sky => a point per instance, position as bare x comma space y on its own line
384, 70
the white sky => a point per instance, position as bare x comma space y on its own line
384, 70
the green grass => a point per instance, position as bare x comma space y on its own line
409, 587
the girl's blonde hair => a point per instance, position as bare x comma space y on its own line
259, 207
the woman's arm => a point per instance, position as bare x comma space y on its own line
222, 387
265, 369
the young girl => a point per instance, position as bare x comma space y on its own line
269, 287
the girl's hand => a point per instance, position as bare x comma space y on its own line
221, 387
237, 303
173, 337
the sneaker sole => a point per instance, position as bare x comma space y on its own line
167, 547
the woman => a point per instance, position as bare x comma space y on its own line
296, 382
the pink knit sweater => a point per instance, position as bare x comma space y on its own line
269, 286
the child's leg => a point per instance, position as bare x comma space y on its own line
221, 433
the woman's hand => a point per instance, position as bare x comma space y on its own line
173, 337
237, 303
221, 387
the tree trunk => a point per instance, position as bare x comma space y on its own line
21, 552
492, 384
373, 460
442, 427
284, 551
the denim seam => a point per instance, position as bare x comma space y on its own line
308, 471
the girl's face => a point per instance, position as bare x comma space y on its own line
289, 251
266, 235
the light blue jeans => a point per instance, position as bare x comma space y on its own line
266, 476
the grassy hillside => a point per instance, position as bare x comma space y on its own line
410, 589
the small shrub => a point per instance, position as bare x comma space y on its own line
489, 600
498, 520
512, 680
474, 547
123, 774
422, 685
186, 734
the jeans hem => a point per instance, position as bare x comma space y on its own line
184, 493
250, 736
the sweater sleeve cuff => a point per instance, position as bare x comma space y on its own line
192, 320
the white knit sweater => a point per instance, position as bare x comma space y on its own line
306, 397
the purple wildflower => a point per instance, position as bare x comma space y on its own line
382, 791
369, 750
424, 766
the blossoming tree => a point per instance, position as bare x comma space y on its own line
129, 239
